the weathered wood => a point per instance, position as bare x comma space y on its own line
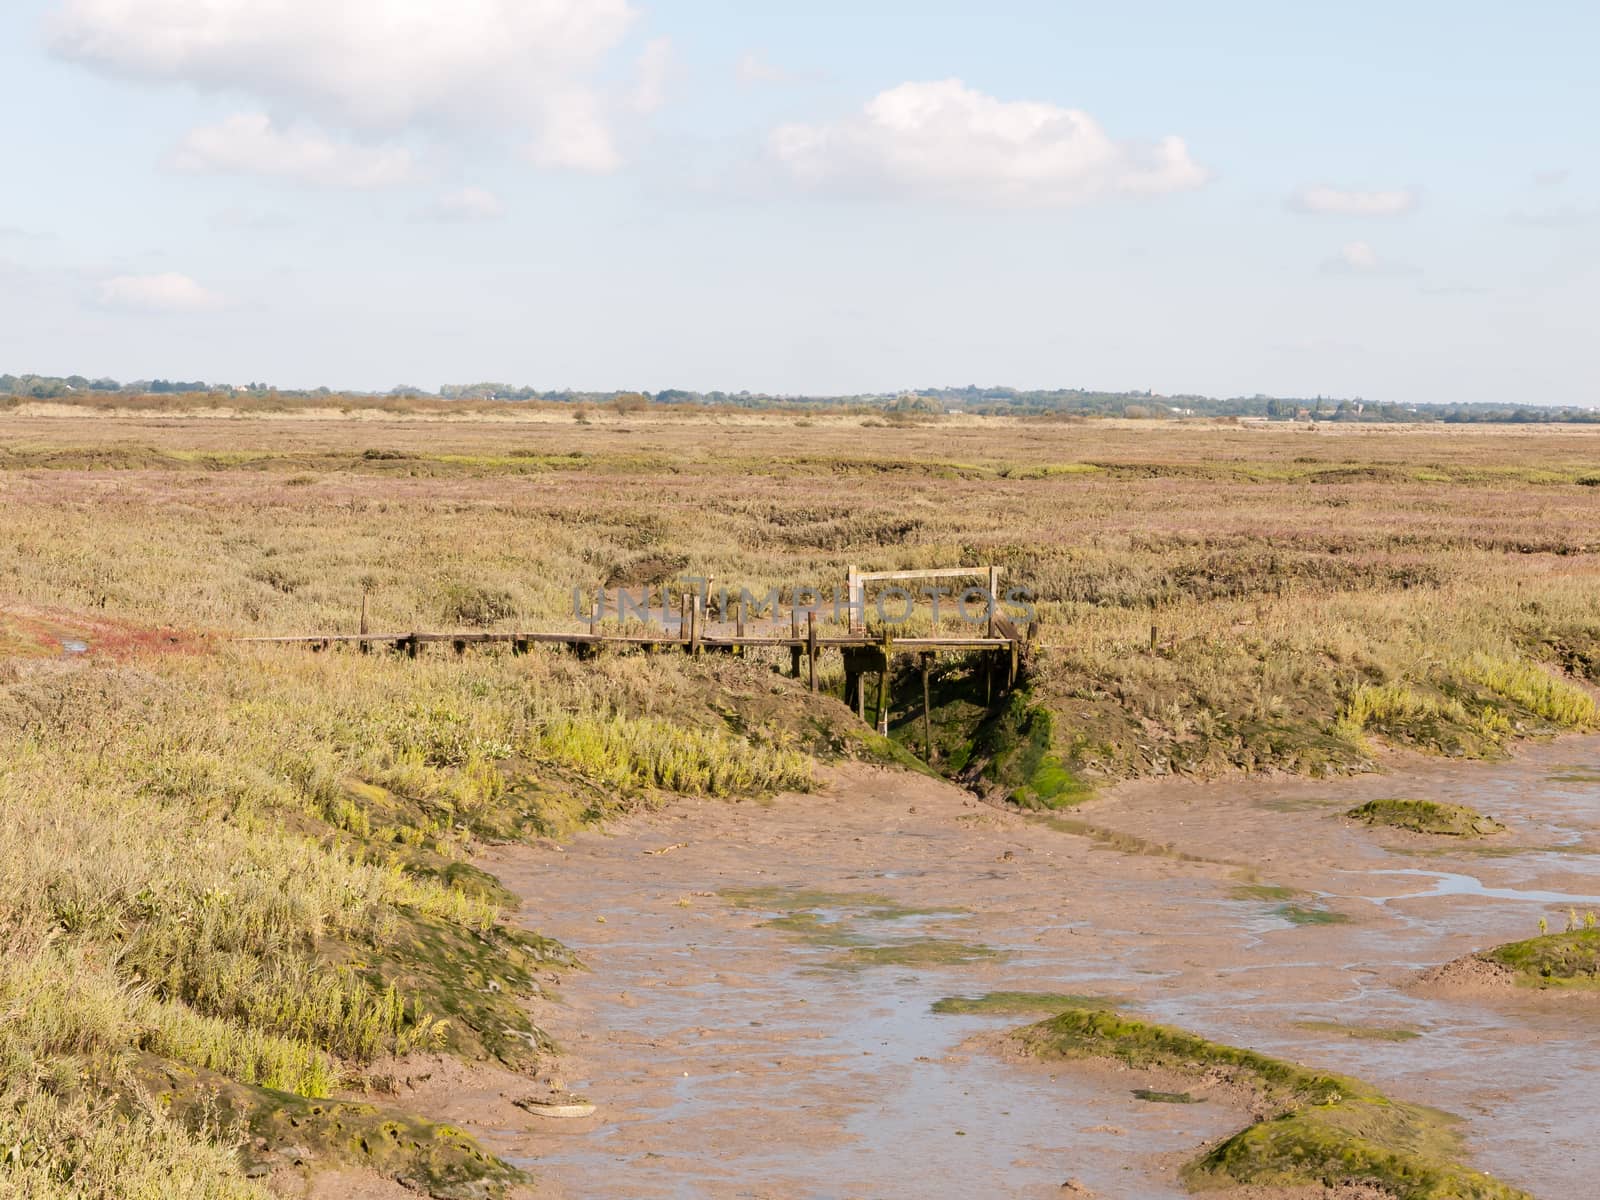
927, 719
934, 573
811, 647
708, 641
883, 685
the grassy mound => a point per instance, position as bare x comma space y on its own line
1319, 1128
1552, 960
1427, 816
246, 877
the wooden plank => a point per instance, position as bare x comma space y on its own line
935, 573
718, 641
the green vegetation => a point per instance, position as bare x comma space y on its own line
913, 952
1570, 959
1426, 816
1319, 1128
1018, 1004
237, 881
1263, 891
257, 863
1301, 914
1370, 1033
833, 920
1155, 1097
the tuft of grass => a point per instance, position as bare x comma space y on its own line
1320, 1127
1427, 816
1568, 959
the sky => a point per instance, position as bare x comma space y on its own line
1396, 202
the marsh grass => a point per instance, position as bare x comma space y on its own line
257, 860
254, 865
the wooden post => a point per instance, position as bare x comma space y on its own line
852, 587
794, 651
596, 610
994, 596
683, 617
883, 689
811, 646
738, 619
364, 630
927, 721
1153, 634
694, 624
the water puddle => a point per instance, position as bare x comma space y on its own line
1447, 883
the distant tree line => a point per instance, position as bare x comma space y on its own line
995, 401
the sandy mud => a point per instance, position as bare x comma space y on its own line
757, 1017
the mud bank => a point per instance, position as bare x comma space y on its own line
757, 1017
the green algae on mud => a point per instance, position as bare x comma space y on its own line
1263, 891
1018, 1004
913, 952
1317, 1128
1552, 960
1151, 1096
1300, 914
801, 916
1374, 1033
1426, 816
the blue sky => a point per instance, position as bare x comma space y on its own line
1397, 202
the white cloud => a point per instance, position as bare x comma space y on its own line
467, 204
1321, 199
575, 136
653, 69
166, 293
250, 144
1359, 258
753, 68
374, 65
947, 139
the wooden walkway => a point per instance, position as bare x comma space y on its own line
864, 653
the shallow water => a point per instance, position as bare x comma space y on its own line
731, 1057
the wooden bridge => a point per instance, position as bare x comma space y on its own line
864, 653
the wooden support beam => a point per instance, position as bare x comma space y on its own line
811, 646
883, 685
